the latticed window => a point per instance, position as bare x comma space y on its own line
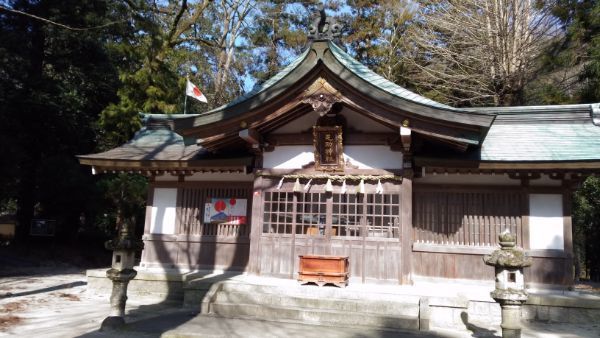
311, 216
348, 214
278, 212
319, 214
382, 215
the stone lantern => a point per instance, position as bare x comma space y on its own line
510, 293
120, 273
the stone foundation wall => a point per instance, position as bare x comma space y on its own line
460, 313
194, 290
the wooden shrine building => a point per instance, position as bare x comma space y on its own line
329, 158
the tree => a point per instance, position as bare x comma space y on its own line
480, 52
377, 36
577, 53
586, 217
151, 78
124, 196
231, 18
579, 48
278, 34
54, 81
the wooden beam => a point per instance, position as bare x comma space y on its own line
349, 139
312, 171
525, 239
250, 135
289, 139
405, 136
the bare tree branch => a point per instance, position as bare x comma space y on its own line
482, 51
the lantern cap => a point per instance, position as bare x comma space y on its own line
509, 256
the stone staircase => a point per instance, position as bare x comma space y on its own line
307, 304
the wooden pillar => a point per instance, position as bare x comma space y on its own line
179, 224
149, 203
568, 232
407, 227
256, 227
525, 240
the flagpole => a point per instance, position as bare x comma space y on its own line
185, 103
185, 95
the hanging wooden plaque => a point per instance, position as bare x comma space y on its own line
329, 151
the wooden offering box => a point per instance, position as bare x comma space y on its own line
322, 269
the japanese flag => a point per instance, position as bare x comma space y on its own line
193, 91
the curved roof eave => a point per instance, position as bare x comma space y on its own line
350, 70
410, 101
581, 107
256, 97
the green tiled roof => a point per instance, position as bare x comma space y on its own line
515, 134
542, 142
379, 81
351, 64
337, 60
150, 144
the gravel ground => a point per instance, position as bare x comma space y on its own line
56, 304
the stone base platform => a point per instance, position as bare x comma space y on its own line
426, 304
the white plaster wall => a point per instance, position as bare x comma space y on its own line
546, 221
365, 157
288, 157
373, 157
162, 219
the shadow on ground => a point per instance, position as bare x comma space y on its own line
43, 290
477, 331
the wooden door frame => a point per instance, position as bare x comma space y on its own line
263, 185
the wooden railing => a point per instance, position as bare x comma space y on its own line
466, 218
225, 230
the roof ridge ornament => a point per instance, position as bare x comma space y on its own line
323, 27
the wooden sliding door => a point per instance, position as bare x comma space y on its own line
364, 227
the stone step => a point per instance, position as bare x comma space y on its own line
313, 316
382, 307
313, 291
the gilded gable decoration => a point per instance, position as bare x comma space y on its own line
321, 96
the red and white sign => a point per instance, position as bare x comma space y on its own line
226, 210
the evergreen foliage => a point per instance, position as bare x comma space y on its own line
53, 84
586, 218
